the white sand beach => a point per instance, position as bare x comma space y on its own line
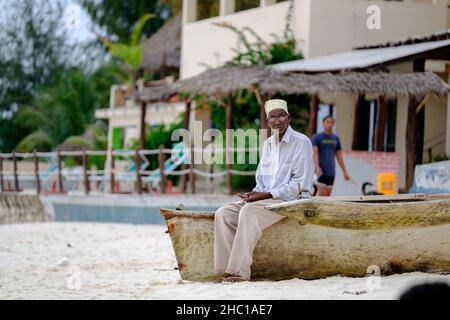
123, 261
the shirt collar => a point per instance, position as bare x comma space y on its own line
286, 137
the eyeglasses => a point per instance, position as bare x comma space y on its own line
273, 118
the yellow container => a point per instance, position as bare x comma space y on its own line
386, 183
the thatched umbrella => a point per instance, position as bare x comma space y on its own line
162, 50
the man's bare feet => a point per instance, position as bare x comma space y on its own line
234, 278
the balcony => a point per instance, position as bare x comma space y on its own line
197, 10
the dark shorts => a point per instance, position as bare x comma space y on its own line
326, 180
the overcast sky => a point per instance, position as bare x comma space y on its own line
77, 21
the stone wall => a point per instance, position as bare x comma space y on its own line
18, 208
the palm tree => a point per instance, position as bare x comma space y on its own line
68, 107
130, 54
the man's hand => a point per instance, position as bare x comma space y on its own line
346, 176
245, 195
254, 196
319, 171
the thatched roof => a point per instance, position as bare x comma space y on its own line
224, 80
391, 85
210, 82
163, 48
158, 93
229, 79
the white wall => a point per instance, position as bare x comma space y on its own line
203, 43
129, 118
341, 25
320, 27
344, 116
435, 126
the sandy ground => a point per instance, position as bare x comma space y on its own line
121, 261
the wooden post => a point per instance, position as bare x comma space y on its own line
187, 117
313, 107
262, 111
36, 172
16, 179
229, 143
262, 116
414, 131
2, 183
112, 179
414, 139
85, 173
142, 133
410, 144
356, 141
192, 173
60, 180
380, 124
162, 182
138, 172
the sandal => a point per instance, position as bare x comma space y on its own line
234, 278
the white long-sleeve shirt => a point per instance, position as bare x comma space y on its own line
285, 166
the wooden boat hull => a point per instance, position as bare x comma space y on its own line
298, 247
360, 216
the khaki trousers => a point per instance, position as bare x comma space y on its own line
237, 229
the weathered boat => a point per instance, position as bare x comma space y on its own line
322, 237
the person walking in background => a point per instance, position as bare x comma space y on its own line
327, 147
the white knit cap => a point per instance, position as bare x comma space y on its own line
274, 104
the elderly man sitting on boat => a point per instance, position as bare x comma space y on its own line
285, 172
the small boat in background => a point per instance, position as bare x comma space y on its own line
327, 236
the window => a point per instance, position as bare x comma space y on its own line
322, 111
389, 129
207, 9
117, 138
242, 5
365, 122
363, 135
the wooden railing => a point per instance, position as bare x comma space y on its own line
60, 176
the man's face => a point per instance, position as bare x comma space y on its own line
328, 124
279, 120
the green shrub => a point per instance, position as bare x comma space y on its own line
38, 140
